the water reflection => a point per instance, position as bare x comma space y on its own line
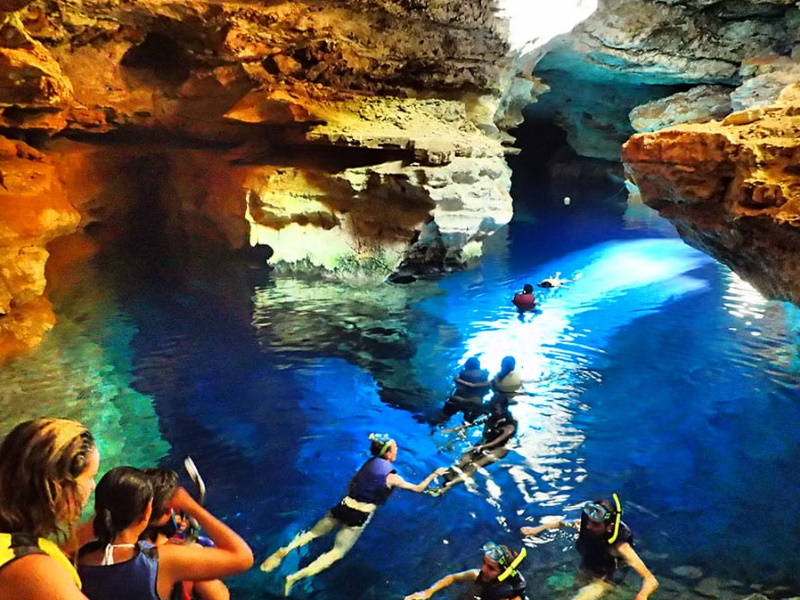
643, 378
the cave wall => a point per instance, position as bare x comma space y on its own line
365, 133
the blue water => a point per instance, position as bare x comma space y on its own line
657, 375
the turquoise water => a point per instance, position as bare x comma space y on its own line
658, 375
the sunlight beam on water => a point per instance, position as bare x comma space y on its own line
634, 278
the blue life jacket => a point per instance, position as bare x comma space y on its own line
134, 579
369, 484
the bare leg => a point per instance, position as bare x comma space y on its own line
345, 539
594, 590
323, 527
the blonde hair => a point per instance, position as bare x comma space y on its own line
39, 463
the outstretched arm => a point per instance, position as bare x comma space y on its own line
394, 480
476, 384
649, 582
443, 583
534, 531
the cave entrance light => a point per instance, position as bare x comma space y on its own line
533, 23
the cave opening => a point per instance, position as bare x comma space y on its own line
157, 61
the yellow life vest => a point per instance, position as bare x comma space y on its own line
17, 545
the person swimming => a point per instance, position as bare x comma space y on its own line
497, 579
556, 282
472, 384
498, 428
604, 542
369, 488
524, 300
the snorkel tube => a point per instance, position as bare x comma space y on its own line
512, 568
617, 519
497, 554
193, 531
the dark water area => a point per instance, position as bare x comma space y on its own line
658, 375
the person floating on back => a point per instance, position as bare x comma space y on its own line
497, 579
524, 300
556, 282
369, 488
499, 427
604, 542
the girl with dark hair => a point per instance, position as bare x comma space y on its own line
604, 543
47, 471
507, 381
369, 488
118, 566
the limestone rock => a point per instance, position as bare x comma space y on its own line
630, 52
732, 190
700, 104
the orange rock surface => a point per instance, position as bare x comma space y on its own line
732, 189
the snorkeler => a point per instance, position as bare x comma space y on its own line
369, 488
497, 579
556, 282
499, 427
604, 541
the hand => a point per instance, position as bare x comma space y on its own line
418, 596
181, 500
440, 471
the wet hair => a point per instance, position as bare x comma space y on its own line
527, 289
379, 444
499, 401
472, 364
508, 364
41, 460
120, 500
164, 482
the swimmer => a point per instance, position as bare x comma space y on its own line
604, 542
497, 579
369, 488
556, 282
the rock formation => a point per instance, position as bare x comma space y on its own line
344, 135
630, 52
732, 189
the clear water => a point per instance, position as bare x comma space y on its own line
658, 375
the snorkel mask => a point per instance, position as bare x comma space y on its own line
381, 438
495, 553
600, 514
193, 531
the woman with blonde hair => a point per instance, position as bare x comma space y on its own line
47, 471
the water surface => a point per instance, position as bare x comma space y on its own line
658, 375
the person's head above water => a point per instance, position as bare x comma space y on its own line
382, 446
508, 364
500, 562
47, 474
602, 517
527, 288
472, 364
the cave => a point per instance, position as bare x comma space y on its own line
265, 234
